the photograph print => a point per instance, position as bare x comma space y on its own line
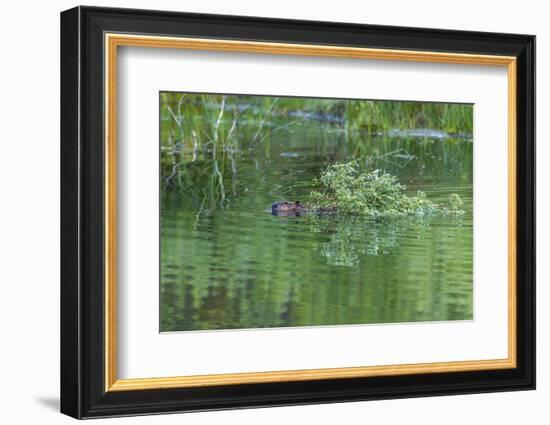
281, 212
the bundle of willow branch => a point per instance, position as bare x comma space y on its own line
347, 188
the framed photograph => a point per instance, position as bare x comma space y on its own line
261, 212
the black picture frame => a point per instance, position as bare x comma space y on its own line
83, 392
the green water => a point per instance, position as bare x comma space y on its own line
238, 266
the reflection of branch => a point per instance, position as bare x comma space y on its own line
195, 145
262, 122
199, 212
232, 129
220, 181
233, 174
220, 115
286, 126
173, 173
214, 152
394, 154
351, 237
175, 118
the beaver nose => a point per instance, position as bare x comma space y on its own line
274, 206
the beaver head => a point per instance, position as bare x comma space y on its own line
286, 208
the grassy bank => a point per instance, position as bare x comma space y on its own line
203, 137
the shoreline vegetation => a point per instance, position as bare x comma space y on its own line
203, 137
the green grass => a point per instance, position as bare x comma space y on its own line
206, 134
192, 124
375, 116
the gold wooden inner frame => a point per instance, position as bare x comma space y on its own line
113, 41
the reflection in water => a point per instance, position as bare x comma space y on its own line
242, 267
354, 236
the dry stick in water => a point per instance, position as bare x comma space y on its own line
214, 151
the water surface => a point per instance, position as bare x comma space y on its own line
240, 267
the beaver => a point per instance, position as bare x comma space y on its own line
286, 208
